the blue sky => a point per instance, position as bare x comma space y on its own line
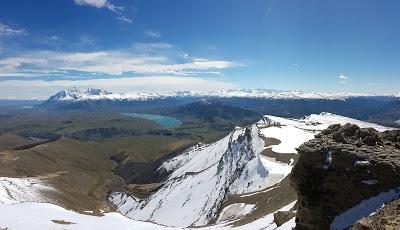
312, 45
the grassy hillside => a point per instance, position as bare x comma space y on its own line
84, 153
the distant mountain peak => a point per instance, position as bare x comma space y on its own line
75, 94
92, 94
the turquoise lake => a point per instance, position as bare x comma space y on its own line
164, 121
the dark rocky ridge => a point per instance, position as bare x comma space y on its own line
334, 169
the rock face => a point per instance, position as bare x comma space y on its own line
281, 217
340, 168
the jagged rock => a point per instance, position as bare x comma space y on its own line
282, 217
341, 167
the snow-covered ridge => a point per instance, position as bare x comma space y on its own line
319, 122
202, 178
294, 132
76, 95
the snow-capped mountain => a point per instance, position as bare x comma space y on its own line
77, 95
203, 177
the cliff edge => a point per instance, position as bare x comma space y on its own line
345, 175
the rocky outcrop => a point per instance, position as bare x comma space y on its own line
281, 217
339, 169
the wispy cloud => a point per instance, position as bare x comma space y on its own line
85, 40
54, 38
99, 4
343, 79
119, 10
142, 46
143, 59
7, 30
125, 19
153, 34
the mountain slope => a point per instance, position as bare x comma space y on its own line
201, 179
224, 184
204, 177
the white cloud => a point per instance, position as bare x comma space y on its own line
98, 4
84, 40
343, 79
53, 38
151, 46
143, 58
10, 31
107, 5
153, 34
125, 19
43, 89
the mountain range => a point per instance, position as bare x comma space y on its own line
384, 110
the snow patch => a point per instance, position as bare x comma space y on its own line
267, 222
42, 216
290, 137
294, 132
235, 211
361, 163
364, 209
328, 160
277, 171
16, 190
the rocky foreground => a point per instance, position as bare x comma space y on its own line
345, 175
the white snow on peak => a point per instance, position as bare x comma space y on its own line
201, 179
279, 94
76, 94
294, 132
